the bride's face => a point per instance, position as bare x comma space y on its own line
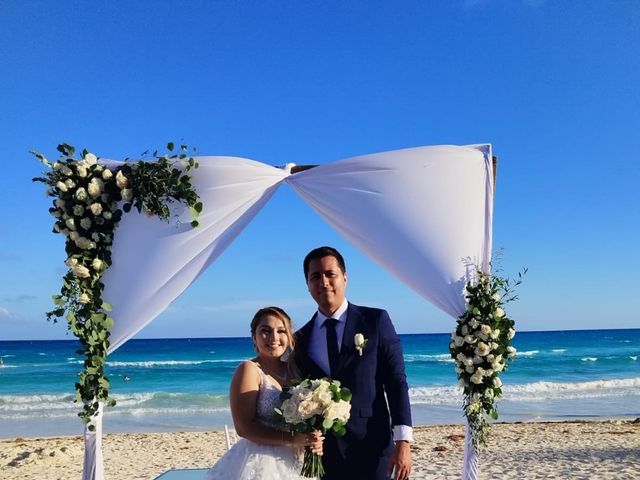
271, 337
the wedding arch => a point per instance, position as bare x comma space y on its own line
435, 203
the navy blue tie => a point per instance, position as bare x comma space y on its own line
332, 344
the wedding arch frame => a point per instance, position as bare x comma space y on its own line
435, 202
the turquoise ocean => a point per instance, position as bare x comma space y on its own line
182, 384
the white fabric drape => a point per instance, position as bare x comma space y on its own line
93, 467
155, 261
424, 214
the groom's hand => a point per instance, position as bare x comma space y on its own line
400, 463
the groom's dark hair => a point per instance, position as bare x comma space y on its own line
321, 252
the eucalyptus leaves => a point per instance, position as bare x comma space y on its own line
89, 200
481, 348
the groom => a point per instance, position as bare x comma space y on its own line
371, 448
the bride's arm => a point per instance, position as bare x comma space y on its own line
244, 396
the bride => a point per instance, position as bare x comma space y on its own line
265, 451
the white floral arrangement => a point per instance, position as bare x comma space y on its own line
88, 203
315, 405
481, 348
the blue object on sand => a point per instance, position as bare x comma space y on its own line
183, 474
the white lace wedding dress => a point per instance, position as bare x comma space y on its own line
247, 460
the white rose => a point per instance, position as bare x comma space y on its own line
66, 170
482, 349
498, 313
497, 366
107, 174
476, 378
90, 159
340, 411
61, 186
464, 330
474, 323
80, 271
121, 180
511, 333
488, 372
70, 183
468, 362
85, 243
309, 408
94, 236
470, 339
85, 223
96, 208
459, 341
290, 411
127, 194
490, 358
322, 397
495, 334
452, 345
477, 360
84, 298
71, 262
71, 223
78, 210
496, 297
486, 329
82, 170
459, 370
511, 352
73, 236
81, 194
95, 187
497, 383
107, 215
469, 369
494, 346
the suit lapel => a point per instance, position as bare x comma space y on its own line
354, 324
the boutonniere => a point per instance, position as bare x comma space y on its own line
360, 342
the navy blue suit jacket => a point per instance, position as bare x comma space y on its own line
365, 449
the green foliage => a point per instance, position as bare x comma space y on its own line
86, 196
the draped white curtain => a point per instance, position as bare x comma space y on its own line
424, 214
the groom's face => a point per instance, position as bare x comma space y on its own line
326, 283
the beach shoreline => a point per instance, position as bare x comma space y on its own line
577, 449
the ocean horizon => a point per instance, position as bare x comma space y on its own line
181, 384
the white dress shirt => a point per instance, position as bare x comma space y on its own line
318, 353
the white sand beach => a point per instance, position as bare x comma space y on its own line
550, 450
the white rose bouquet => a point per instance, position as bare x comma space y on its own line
481, 348
315, 405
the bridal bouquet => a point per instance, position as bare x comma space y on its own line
315, 405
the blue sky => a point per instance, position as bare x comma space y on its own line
552, 85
